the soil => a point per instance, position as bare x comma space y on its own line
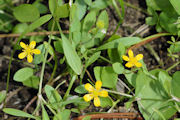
134, 20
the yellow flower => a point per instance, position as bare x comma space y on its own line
94, 93
132, 61
28, 51
100, 24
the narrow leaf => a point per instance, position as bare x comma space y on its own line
19, 113
72, 57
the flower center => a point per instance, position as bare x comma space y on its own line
133, 60
28, 50
96, 93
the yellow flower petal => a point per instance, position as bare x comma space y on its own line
23, 45
138, 64
36, 51
129, 65
130, 53
97, 101
22, 55
32, 44
98, 85
29, 58
103, 93
88, 97
139, 56
126, 58
89, 87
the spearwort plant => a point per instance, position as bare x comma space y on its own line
156, 92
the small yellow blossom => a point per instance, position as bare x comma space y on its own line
95, 92
132, 61
28, 50
100, 24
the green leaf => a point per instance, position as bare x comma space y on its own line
106, 75
93, 58
113, 55
32, 81
99, 4
153, 96
51, 94
176, 5
75, 25
44, 114
49, 48
126, 41
18, 113
81, 8
121, 51
175, 84
76, 37
62, 11
151, 21
38, 39
41, 7
75, 100
118, 68
72, 57
175, 48
103, 18
26, 13
109, 77
80, 89
105, 101
167, 22
58, 46
75, 110
2, 95
5, 22
40, 57
97, 72
165, 80
52, 6
23, 74
20, 28
64, 115
152, 4
89, 21
88, 2
37, 23
131, 77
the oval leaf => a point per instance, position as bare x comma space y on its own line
23, 74
26, 13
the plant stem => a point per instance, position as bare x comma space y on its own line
149, 39
54, 70
114, 104
69, 87
116, 8
119, 14
119, 93
105, 59
43, 65
171, 67
50, 108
